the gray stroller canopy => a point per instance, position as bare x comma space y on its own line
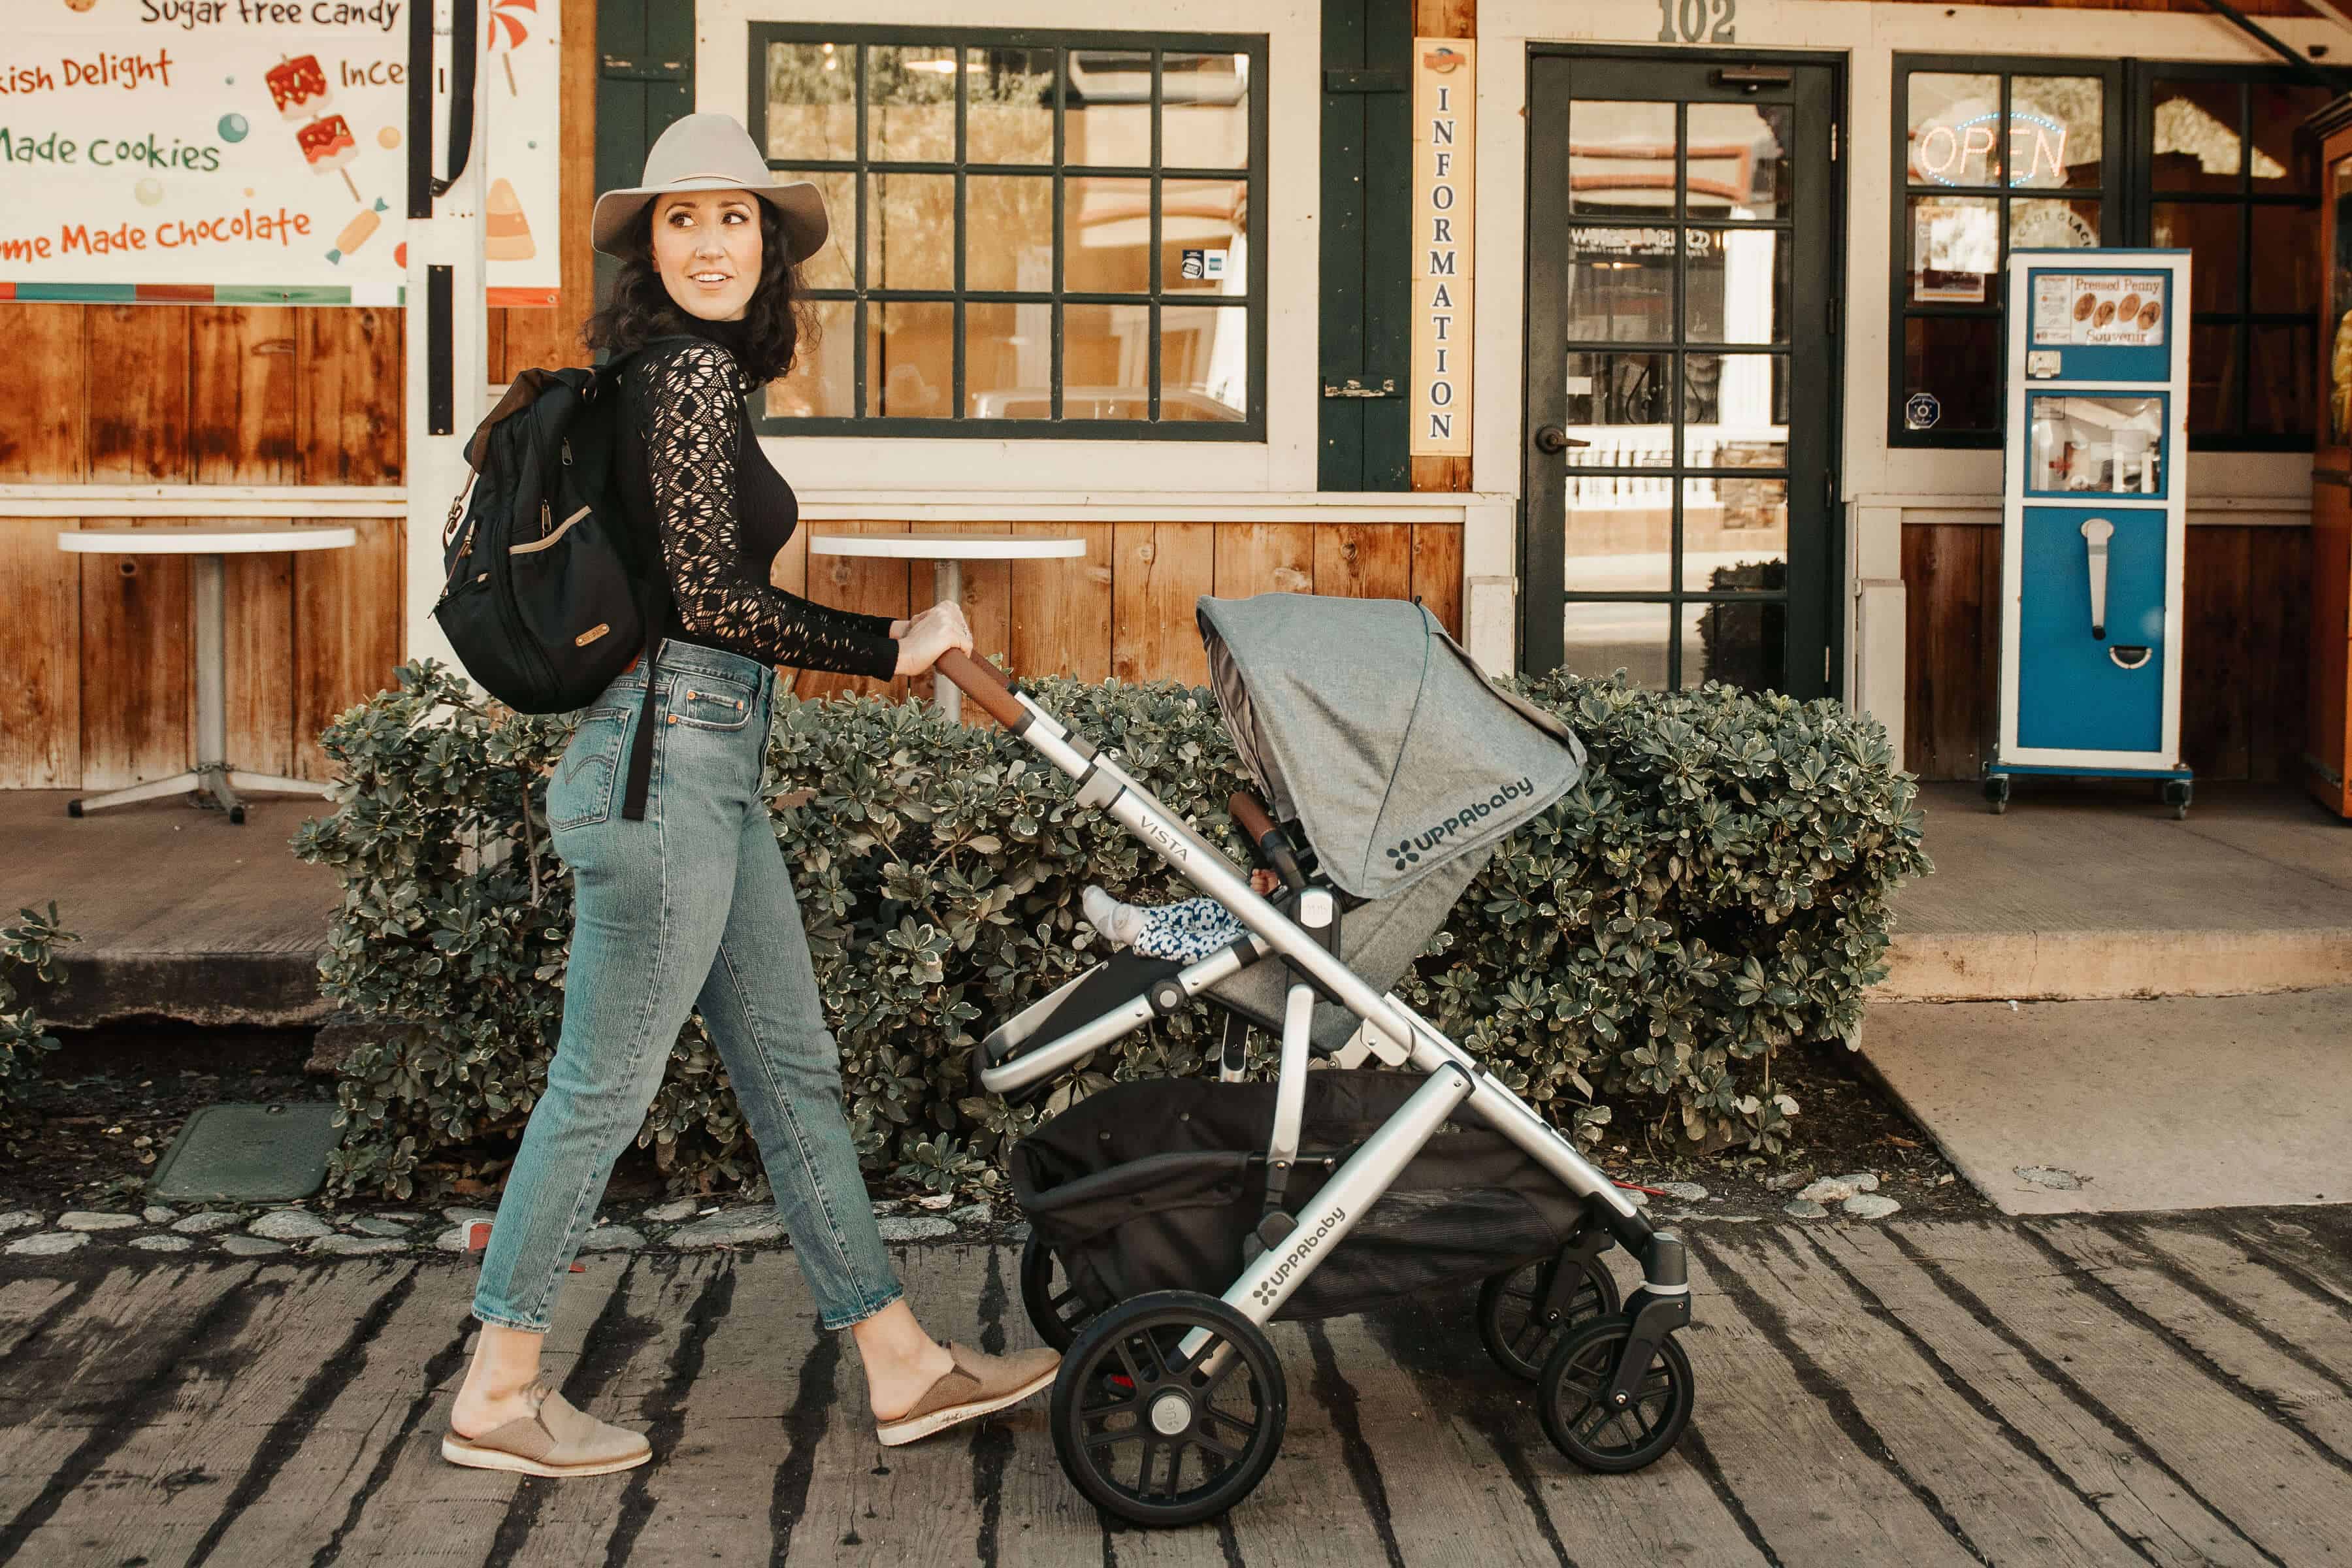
1369, 726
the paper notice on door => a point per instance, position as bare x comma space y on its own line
2081, 307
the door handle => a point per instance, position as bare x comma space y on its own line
1554, 438
2096, 531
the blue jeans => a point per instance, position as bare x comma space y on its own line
691, 907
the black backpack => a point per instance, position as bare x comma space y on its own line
549, 593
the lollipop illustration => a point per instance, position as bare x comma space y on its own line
328, 144
299, 87
503, 18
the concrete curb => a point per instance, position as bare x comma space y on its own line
2112, 965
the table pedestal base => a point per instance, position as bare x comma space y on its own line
215, 780
948, 577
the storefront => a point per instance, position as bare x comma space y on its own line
1651, 334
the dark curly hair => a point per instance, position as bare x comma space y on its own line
775, 324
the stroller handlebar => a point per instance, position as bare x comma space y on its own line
982, 685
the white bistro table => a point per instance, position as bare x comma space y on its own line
950, 551
210, 545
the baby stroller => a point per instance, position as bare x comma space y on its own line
1172, 1221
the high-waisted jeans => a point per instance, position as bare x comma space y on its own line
690, 907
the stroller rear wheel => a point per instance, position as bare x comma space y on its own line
1158, 1437
1520, 1316
1056, 1308
1579, 1420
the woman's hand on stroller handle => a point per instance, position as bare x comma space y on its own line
934, 632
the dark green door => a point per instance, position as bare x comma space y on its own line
1682, 402
645, 83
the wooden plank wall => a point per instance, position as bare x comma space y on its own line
99, 691
2245, 650
1125, 609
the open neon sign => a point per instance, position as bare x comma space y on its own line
1960, 153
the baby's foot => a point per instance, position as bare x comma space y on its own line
1120, 923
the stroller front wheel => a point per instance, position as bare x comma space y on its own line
1159, 1437
1588, 1430
1056, 1308
1523, 1311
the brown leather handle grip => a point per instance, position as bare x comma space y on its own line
1250, 815
982, 685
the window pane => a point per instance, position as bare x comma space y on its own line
1955, 250
1009, 115
1623, 404
1955, 360
1203, 362
823, 383
1621, 158
1598, 641
1621, 285
2285, 259
1204, 111
910, 231
1740, 645
910, 102
909, 359
1737, 166
1736, 411
2286, 157
2046, 223
2209, 232
1736, 286
2212, 380
2197, 141
829, 268
1202, 228
1008, 361
2056, 131
1951, 130
1732, 528
1105, 357
2278, 380
1107, 226
1619, 532
811, 101
1110, 108
1009, 232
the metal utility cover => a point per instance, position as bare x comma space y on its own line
249, 1154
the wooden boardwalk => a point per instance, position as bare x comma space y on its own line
2064, 1391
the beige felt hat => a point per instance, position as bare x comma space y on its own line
711, 152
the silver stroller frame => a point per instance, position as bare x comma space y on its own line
1388, 1030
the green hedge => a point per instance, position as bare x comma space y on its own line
1717, 889
28, 947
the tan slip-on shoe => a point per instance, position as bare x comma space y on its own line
976, 1385
556, 1440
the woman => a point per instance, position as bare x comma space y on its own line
693, 906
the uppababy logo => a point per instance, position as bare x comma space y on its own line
1267, 1289
1408, 851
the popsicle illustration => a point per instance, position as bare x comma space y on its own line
328, 144
299, 87
507, 231
357, 232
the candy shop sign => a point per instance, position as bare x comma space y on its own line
249, 151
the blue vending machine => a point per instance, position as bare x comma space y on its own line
2092, 516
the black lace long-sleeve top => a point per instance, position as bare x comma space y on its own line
719, 512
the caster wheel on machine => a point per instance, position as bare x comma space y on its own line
1996, 793
1160, 1439
1057, 1309
236, 815
2177, 794
1519, 1330
1597, 1437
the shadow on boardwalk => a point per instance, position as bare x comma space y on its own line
2119, 1391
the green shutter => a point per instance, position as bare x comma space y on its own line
1367, 303
645, 83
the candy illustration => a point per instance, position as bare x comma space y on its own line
328, 144
149, 191
234, 127
506, 230
503, 18
356, 233
299, 87
79, 5
388, 138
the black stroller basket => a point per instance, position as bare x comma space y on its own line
1161, 1186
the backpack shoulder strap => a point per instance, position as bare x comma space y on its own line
656, 616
